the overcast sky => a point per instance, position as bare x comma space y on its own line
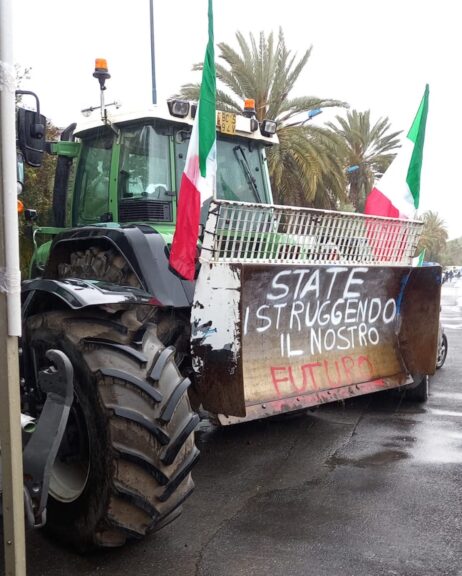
374, 55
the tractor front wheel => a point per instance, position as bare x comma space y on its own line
123, 468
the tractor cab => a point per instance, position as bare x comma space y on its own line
129, 170
119, 168
125, 169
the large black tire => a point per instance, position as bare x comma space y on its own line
419, 393
130, 446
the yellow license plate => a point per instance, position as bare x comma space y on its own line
226, 122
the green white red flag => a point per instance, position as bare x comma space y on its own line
397, 193
198, 182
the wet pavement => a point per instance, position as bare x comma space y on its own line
370, 487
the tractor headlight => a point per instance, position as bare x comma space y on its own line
268, 128
178, 108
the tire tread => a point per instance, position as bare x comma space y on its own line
152, 418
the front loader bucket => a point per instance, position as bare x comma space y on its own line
271, 338
268, 340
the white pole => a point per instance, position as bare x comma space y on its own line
10, 318
12, 274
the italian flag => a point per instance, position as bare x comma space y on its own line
397, 193
198, 182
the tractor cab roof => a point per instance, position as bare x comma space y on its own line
227, 123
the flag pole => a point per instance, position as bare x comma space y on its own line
198, 183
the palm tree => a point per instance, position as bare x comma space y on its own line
306, 167
434, 236
453, 253
369, 151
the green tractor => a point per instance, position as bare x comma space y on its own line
102, 292
290, 308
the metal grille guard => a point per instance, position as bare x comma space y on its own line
238, 232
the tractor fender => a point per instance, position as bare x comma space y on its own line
78, 294
144, 249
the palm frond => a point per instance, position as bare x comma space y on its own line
369, 146
308, 165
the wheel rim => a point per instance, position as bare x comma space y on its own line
442, 351
71, 469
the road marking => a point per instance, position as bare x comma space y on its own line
438, 412
450, 395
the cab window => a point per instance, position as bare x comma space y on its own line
240, 168
92, 180
239, 171
144, 164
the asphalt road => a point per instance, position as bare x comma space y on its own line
371, 487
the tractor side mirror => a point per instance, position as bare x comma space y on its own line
31, 127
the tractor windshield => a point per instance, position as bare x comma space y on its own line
240, 168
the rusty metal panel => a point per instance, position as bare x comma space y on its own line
216, 339
420, 313
302, 401
312, 329
308, 335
